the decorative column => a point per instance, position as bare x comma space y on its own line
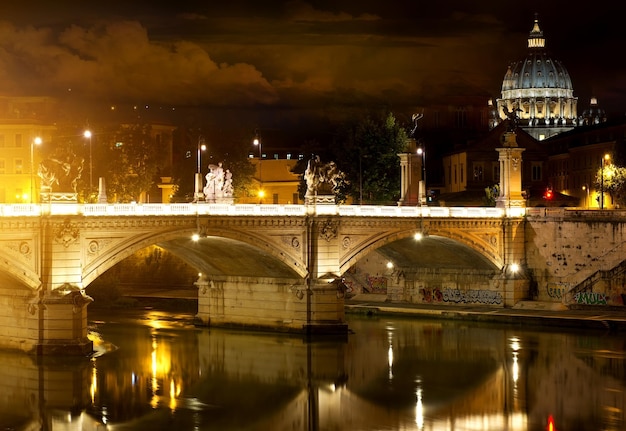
510, 173
410, 174
102, 191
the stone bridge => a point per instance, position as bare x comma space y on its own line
287, 268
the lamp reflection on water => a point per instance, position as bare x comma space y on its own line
419, 406
390, 351
161, 367
164, 387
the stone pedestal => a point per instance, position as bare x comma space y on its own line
510, 173
319, 200
48, 196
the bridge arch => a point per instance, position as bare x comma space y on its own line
476, 248
249, 254
17, 268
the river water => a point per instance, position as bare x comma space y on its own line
154, 370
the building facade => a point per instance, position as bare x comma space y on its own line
25, 125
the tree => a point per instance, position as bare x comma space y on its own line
366, 150
131, 161
614, 183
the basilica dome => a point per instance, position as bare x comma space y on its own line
539, 91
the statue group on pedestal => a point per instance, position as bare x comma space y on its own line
322, 178
219, 183
60, 175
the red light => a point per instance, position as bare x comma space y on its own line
551, 423
548, 194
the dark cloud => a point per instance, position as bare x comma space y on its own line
296, 55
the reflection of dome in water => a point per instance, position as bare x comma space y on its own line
539, 88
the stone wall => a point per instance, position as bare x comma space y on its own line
576, 256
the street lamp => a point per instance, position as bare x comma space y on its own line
201, 147
586, 188
605, 159
257, 142
422, 195
360, 179
36, 141
87, 135
198, 181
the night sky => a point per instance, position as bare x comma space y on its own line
279, 64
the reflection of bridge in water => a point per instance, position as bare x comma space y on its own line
411, 376
281, 267
267, 381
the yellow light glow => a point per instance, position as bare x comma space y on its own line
172, 395
418, 236
94, 383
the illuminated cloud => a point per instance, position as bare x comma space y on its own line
293, 54
119, 61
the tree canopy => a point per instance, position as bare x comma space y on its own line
614, 183
366, 150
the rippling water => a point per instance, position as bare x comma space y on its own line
156, 371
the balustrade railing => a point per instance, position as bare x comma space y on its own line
156, 209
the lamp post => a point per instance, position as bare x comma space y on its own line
257, 142
361, 157
605, 159
422, 195
360, 179
586, 188
87, 135
198, 175
36, 141
201, 148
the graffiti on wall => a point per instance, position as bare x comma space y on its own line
591, 298
461, 296
599, 298
377, 284
556, 292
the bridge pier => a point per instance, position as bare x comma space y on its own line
285, 305
60, 319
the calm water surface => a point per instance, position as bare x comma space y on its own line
156, 371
